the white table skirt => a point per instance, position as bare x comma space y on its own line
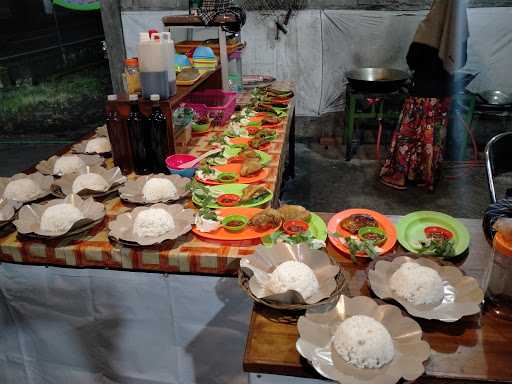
88, 326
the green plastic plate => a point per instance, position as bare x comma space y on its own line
411, 227
265, 158
236, 189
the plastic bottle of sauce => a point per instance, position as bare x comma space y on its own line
119, 137
139, 137
158, 136
131, 76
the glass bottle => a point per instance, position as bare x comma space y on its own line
139, 137
119, 137
158, 137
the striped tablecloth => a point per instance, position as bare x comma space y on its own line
189, 254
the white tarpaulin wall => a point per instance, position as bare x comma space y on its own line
322, 44
62, 326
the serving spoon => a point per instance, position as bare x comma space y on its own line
191, 163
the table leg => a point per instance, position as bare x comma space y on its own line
349, 127
291, 148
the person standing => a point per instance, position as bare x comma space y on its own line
439, 49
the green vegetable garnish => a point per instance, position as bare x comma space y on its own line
442, 248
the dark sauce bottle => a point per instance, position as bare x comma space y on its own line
158, 137
119, 137
139, 137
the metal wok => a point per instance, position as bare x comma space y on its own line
496, 98
377, 79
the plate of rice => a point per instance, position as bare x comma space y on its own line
91, 181
102, 131
151, 225
24, 188
152, 189
59, 217
359, 341
292, 277
62, 165
8, 210
97, 145
426, 289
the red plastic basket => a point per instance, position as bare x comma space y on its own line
221, 104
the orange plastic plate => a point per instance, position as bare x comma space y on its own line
334, 227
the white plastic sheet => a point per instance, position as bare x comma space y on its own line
63, 326
323, 44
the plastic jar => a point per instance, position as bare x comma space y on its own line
132, 76
235, 71
499, 290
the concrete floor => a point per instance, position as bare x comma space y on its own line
341, 185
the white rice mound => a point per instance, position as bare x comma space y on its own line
364, 342
153, 222
296, 276
68, 164
22, 190
159, 189
92, 181
98, 145
60, 217
417, 284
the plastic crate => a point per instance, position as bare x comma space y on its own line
221, 104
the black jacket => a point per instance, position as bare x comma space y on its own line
430, 79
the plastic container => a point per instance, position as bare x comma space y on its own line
131, 76
221, 105
235, 74
174, 161
203, 52
499, 291
171, 73
153, 66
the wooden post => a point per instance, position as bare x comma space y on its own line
224, 61
113, 29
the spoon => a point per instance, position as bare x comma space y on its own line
191, 163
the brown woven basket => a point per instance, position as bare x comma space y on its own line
244, 276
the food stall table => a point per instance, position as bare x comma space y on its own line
188, 254
474, 349
167, 314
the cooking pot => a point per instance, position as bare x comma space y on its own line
378, 80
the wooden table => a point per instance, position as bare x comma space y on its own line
474, 349
188, 254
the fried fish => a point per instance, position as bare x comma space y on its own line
252, 192
250, 167
266, 219
294, 212
355, 222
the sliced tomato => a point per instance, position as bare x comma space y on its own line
252, 130
438, 231
228, 200
294, 227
